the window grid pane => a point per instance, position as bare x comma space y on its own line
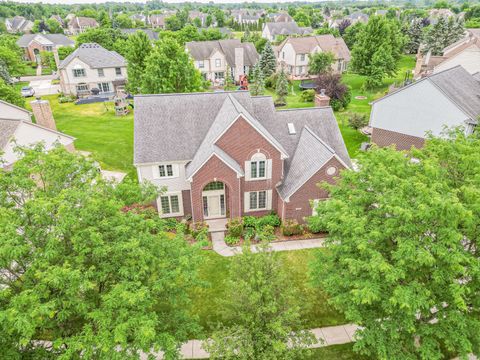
169, 170
253, 200
174, 203
253, 169
162, 170
261, 169
262, 199
222, 205
165, 205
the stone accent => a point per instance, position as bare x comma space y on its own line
299, 205
43, 113
383, 138
322, 100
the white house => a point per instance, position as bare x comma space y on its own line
17, 129
215, 58
446, 99
18, 24
293, 53
92, 67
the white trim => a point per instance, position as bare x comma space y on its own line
180, 204
190, 178
268, 200
284, 155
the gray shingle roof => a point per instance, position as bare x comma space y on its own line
286, 28
56, 39
152, 35
460, 87
95, 56
174, 127
201, 50
7, 129
303, 165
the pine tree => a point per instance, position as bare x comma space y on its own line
415, 36
282, 87
258, 86
268, 61
442, 34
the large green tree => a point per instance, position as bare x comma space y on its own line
445, 32
267, 324
320, 62
9, 94
268, 61
402, 258
169, 69
258, 85
377, 49
81, 271
106, 37
138, 48
281, 87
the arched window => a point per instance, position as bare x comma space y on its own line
258, 166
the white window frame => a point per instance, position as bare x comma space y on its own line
201, 64
247, 201
103, 85
101, 73
169, 195
157, 171
118, 71
77, 72
302, 57
254, 162
218, 63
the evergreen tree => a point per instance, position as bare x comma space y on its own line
282, 87
268, 61
415, 36
258, 86
442, 34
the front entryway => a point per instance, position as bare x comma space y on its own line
213, 196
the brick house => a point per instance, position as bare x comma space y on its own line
33, 44
227, 154
447, 99
80, 24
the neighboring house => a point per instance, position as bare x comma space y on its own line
279, 17
91, 66
215, 58
80, 24
192, 15
17, 129
435, 14
293, 53
157, 21
465, 52
58, 19
352, 18
139, 18
403, 118
33, 44
227, 154
18, 24
271, 31
152, 35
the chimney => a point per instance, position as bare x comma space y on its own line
322, 99
239, 63
43, 113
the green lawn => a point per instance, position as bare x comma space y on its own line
108, 137
207, 302
335, 352
29, 71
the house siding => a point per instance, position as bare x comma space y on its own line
299, 205
383, 138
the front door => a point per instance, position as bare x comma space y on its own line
213, 196
214, 206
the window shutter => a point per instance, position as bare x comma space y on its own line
247, 171
176, 169
269, 199
269, 168
155, 172
246, 201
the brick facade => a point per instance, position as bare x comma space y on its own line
187, 203
383, 138
299, 205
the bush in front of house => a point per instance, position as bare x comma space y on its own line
271, 219
266, 233
235, 227
66, 99
199, 230
250, 222
307, 95
231, 240
315, 225
291, 227
357, 121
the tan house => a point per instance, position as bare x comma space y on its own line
293, 53
215, 58
92, 67
80, 24
33, 44
464, 52
18, 24
272, 31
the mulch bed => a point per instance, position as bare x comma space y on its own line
280, 237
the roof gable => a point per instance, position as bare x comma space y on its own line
95, 56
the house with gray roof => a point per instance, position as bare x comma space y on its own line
446, 99
228, 154
91, 66
80, 24
272, 30
18, 24
152, 35
217, 57
33, 44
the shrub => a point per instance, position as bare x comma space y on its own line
235, 227
307, 95
292, 227
231, 240
357, 121
339, 93
199, 230
170, 224
316, 225
250, 221
249, 233
267, 233
65, 99
270, 220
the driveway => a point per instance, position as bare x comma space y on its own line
44, 87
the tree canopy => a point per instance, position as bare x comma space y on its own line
81, 271
402, 257
138, 48
320, 62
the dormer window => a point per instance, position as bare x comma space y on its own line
258, 168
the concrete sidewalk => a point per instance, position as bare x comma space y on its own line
221, 248
326, 336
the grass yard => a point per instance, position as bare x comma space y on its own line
207, 302
335, 352
108, 137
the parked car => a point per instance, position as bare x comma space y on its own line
27, 91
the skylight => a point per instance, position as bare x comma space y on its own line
291, 129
